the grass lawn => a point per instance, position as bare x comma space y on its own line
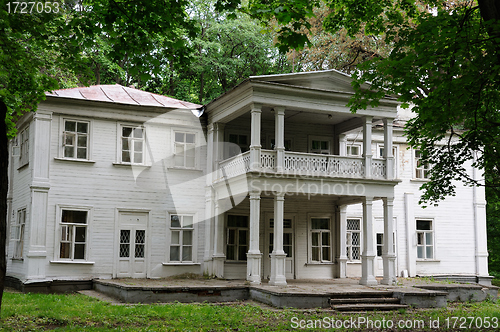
75, 312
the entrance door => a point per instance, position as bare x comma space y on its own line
131, 253
288, 246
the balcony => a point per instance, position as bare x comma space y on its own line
303, 164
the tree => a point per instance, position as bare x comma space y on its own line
225, 52
444, 62
41, 50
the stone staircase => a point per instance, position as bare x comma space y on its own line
365, 301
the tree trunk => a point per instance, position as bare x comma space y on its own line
4, 162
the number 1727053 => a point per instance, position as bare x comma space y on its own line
16, 7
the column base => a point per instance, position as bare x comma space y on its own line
278, 270
342, 267
389, 270
218, 265
253, 267
368, 270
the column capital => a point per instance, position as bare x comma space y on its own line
388, 200
368, 119
368, 200
256, 107
255, 195
279, 109
210, 127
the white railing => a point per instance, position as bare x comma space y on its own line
234, 166
268, 160
378, 168
327, 165
298, 163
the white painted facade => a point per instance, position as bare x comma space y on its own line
312, 195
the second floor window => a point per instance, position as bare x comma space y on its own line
24, 137
132, 145
76, 139
421, 168
184, 153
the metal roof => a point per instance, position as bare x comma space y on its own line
122, 95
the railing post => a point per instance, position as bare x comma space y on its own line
279, 137
255, 137
367, 145
388, 156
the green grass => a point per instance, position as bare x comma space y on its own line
39, 312
496, 282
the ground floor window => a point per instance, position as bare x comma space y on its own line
17, 234
320, 247
237, 238
73, 240
380, 243
181, 238
425, 239
353, 240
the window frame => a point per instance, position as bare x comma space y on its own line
194, 146
311, 231
24, 145
181, 229
62, 144
59, 228
321, 139
348, 240
237, 237
424, 169
425, 244
228, 153
359, 146
131, 141
17, 232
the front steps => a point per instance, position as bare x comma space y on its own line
366, 301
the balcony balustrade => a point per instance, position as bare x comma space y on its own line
303, 164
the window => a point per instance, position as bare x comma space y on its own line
17, 234
76, 139
425, 243
73, 241
353, 150
181, 238
380, 244
288, 144
184, 150
421, 169
237, 238
24, 137
320, 146
287, 237
353, 241
132, 145
320, 240
241, 142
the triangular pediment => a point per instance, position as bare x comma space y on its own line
330, 80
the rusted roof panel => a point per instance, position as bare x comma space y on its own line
122, 95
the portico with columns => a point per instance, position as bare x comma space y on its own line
281, 179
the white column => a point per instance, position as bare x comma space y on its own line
218, 145
388, 254
479, 202
255, 146
254, 256
278, 255
388, 156
40, 131
342, 250
367, 145
411, 241
279, 137
342, 145
218, 256
368, 255
209, 204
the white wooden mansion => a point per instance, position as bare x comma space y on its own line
276, 179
